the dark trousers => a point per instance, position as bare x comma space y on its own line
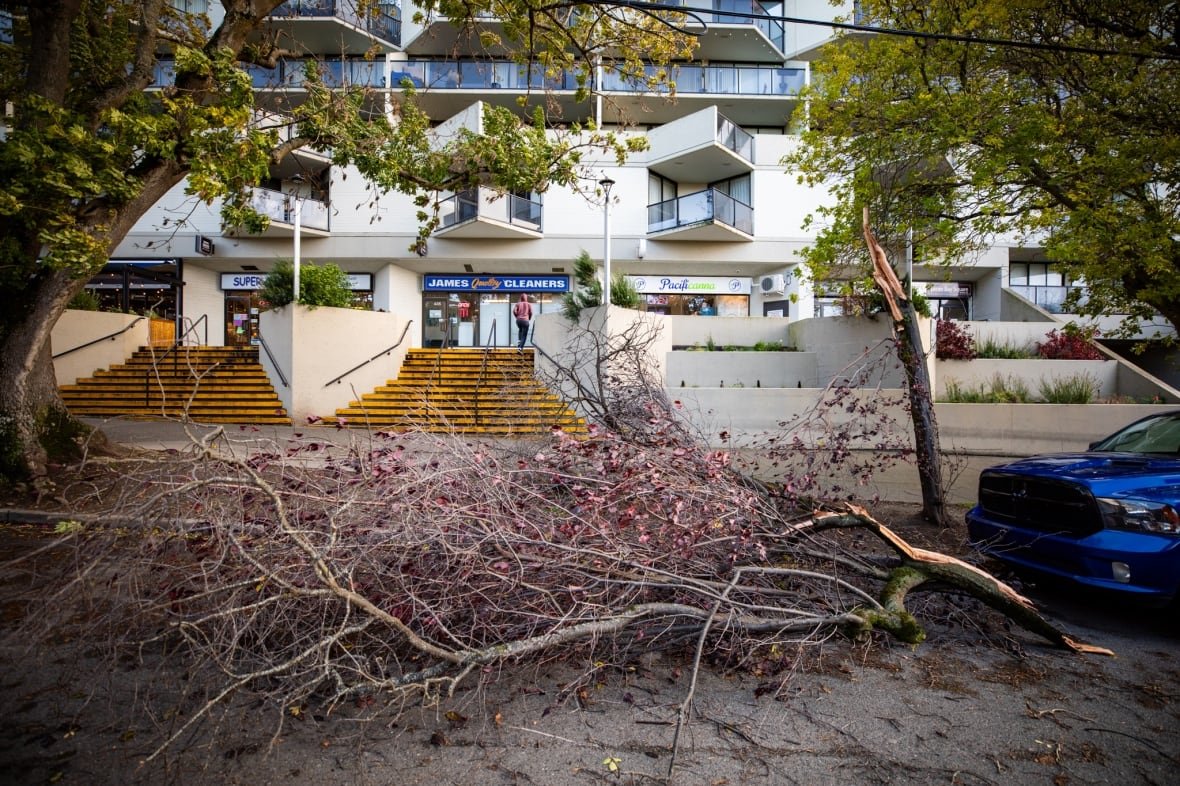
522, 331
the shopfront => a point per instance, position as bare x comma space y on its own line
701, 296
948, 299
476, 310
243, 305
139, 286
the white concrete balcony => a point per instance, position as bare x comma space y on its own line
702, 148
482, 214
280, 208
337, 26
708, 215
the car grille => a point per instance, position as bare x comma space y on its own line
1036, 503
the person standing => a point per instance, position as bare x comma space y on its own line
523, 311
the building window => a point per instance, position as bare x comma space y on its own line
659, 189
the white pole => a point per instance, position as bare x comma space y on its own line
295, 261
606, 184
909, 260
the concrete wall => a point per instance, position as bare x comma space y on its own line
563, 346
1014, 308
748, 417
306, 345
686, 331
76, 328
840, 345
742, 369
1024, 335
975, 374
1028, 429
203, 297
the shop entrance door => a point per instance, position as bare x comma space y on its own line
241, 319
437, 326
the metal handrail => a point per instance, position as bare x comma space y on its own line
112, 337
483, 368
155, 370
271, 357
192, 326
370, 360
446, 341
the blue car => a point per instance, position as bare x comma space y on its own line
1108, 518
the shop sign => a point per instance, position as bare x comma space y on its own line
690, 285
359, 282
948, 289
439, 282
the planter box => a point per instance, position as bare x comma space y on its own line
978, 373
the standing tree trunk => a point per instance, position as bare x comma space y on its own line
913, 359
34, 424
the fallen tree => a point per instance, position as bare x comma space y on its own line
396, 568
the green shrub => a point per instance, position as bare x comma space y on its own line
990, 348
1001, 390
85, 300
1010, 390
588, 292
1075, 389
319, 285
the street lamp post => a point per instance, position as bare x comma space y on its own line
606, 184
295, 262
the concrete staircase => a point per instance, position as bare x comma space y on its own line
211, 384
458, 391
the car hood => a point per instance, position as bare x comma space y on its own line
1114, 474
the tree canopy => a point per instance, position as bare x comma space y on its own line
1053, 122
97, 132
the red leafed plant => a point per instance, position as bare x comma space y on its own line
1072, 343
953, 342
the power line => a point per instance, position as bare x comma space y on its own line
698, 15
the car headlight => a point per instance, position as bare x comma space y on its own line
1139, 514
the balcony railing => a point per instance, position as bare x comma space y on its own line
281, 207
700, 207
477, 75
724, 79
737, 12
734, 137
471, 204
1050, 298
385, 23
492, 75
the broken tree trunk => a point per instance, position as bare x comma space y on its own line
913, 359
919, 566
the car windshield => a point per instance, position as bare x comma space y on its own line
1160, 434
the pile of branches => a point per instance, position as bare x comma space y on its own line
398, 566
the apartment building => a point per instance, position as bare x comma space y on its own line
705, 222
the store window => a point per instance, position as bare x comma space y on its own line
148, 287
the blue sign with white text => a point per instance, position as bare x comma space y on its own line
440, 282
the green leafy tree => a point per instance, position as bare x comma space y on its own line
1052, 120
319, 285
588, 292
88, 148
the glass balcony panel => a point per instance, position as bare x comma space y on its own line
1050, 298
524, 211
689, 79
269, 203
734, 137
699, 207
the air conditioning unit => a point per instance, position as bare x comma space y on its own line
773, 285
